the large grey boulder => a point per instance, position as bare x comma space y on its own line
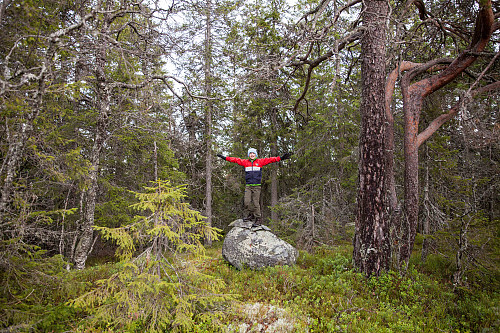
256, 247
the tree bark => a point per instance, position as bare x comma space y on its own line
103, 105
412, 105
392, 199
208, 117
274, 168
393, 206
18, 141
13, 157
426, 225
371, 241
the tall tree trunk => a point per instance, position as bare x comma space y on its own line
426, 227
86, 235
412, 106
392, 199
371, 241
274, 168
394, 210
9, 167
391, 194
103, 104
17, 141
208, 117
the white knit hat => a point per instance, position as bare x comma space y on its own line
253, 150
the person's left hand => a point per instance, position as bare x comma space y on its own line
286, 156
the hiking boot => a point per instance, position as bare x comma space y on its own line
249, 218
257, 222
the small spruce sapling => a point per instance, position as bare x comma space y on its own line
160, 289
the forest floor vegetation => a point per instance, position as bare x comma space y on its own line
321, 293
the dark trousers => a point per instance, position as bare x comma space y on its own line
252, 201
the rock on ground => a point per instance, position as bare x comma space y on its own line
265, 318
256, 247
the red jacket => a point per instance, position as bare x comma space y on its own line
253, 172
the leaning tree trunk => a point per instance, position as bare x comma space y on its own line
371, 241
413, 96
86, 237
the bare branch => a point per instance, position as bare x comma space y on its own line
428, 66
353, 36
482, 33
308, 37
469, 95
306, 87
315, 10
314, 63
164, 79
62, 32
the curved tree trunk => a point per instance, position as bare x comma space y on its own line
413, 96
86, 234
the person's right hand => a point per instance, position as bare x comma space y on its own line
221, 156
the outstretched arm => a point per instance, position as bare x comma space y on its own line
235, 160
265, 161
269, 160
232, 159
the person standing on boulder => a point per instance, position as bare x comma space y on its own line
253, 178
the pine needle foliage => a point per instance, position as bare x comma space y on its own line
161, 288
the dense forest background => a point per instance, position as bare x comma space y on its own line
112, 113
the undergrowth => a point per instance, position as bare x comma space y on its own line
322, 291
325, 289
